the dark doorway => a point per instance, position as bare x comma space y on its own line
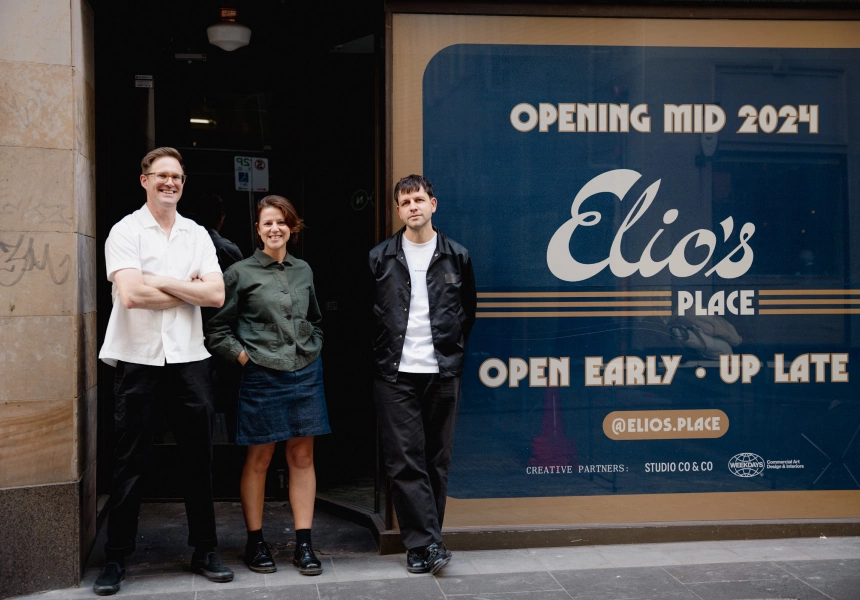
305, 94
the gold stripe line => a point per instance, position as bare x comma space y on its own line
809, 311
806, 292
812, 301
602, 313
573, 294
604, 304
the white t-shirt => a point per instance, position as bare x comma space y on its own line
156, 337
418, 354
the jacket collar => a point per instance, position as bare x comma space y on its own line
395, 244
267, 261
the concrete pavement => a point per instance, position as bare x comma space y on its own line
801, 569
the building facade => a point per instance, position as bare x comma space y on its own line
660, 201
48, 392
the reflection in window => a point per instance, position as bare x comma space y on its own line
797, 206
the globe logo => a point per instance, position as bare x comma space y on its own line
746, 464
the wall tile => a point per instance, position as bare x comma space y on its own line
39, 529
86, 249
37, 442
42, 203
36, 359
86, 353
38, 273
83, 52
38, 32
85, 195
86, 417
85, 117
36, 105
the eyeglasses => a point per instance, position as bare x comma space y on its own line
163, 177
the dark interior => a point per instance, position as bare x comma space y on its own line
306, 94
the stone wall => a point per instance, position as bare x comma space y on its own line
47, 293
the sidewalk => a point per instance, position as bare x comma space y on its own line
802, 569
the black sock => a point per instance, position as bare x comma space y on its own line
303, 536
255, 537
202, 550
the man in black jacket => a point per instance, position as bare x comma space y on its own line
424, 310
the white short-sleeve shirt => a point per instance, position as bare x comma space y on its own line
156, 337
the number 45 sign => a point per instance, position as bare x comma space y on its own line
252, 174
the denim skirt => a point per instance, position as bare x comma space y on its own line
280, 405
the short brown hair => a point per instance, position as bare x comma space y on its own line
154, 155
412, 183
294, 222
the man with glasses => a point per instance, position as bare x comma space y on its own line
163, 268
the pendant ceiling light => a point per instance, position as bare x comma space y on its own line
228, 34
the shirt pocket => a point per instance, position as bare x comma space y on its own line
267, 334
301, 302
306, 330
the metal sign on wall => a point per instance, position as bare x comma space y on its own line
251, 174
666, 250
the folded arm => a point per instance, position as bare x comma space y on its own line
135, 293
206, 291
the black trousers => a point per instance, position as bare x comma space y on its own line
144, 395
416, 422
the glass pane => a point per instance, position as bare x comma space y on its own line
660, 214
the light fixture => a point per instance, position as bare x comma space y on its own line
228, 34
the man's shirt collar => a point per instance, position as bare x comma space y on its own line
147, 220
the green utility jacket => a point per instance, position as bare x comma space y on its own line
271, 311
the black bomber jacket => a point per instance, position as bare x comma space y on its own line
452, 298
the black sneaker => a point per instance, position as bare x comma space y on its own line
305, 559
415, 561
109, 580
259, 558
210, 566
436, 556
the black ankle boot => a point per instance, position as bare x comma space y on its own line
305, 559
258, 557
436, 556
415, 560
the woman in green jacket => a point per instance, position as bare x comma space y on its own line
270, 324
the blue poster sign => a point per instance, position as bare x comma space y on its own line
666, 254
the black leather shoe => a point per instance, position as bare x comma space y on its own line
210, 566
305, 559
109, 580
259, 559
415, 561
436, 556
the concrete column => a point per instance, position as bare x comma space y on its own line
47, 293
